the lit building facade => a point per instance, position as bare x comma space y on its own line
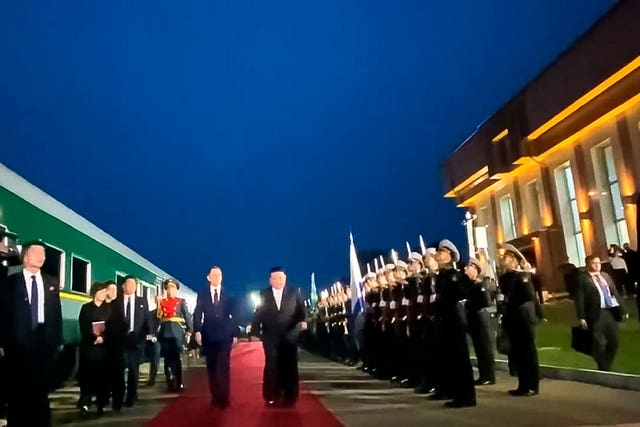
555, 170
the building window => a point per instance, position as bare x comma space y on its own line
54, 264
80, 274
534, 207
508, 219
615, 224
569, 214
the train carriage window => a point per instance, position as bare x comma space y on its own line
54, 264
80, 274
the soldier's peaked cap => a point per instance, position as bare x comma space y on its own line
170, 281
449, 246
415, 256
474, 262
513, 251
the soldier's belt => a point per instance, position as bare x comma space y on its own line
173, 319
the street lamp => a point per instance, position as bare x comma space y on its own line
468, 223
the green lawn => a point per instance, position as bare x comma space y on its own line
554, 339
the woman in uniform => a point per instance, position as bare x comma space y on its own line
175, 324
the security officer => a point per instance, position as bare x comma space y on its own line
521, 311
454, 291
479, 321
175, 324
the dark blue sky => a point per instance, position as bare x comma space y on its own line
259, 132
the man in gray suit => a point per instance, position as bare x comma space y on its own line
598, 309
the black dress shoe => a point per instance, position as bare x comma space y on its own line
460, 403
84, 410
270, 403
424, 390
438, 396
484, 382
525, 393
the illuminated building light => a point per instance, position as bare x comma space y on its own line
472, 181
500, 136
585, 99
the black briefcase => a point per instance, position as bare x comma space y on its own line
582, 340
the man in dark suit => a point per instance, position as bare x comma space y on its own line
127, 330
216, 330
598, 309
30, 336
279, 321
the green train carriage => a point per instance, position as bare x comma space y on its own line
77, 253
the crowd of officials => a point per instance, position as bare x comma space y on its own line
420, 315
115, 328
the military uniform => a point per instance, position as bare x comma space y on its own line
520, 312
175, 322
451, 307
479, 321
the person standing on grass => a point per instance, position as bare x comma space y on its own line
598, 309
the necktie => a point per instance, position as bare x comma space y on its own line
605, 291
34, 302
127, 313
216, 298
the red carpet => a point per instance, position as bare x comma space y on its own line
193, 407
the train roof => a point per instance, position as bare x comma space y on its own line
41, 200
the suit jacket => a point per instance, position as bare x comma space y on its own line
587, 297
275, 325
117, 328
216, 323
15, 313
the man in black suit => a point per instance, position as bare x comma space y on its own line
216, 330
598, 309
127, 330
30, 336
279, 321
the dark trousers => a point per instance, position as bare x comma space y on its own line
280, 378
459, 371
480, 332
4, 387
605, 340
127, 374
153, 353
93, 375
524, 354
29, 369
171, 351
218, 368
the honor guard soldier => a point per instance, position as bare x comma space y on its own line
175, 324
369, 324
431, 351
401, 327
479, 321
520, 311
453, 294
410, 297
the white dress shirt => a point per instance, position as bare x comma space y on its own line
131, 301
40, 282
277, 295
215, 289
596, 279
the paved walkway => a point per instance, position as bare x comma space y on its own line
360, 401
